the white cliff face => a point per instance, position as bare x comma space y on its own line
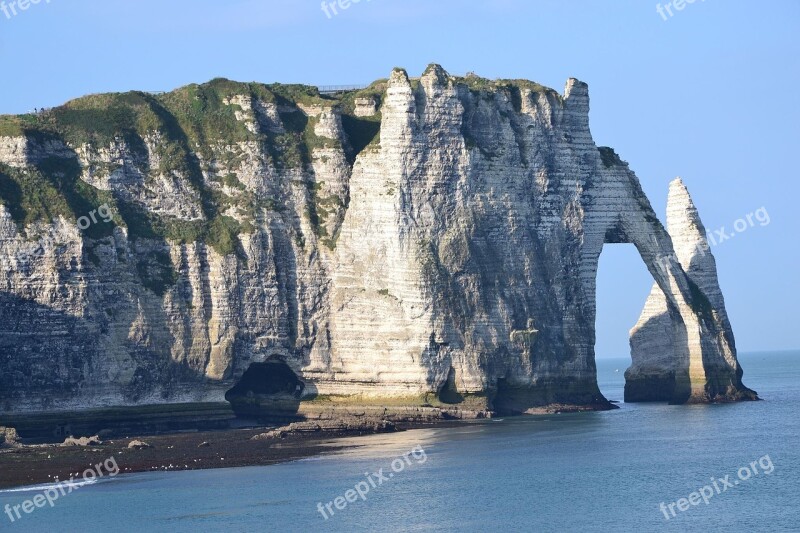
13, 151
659, 336
458, 249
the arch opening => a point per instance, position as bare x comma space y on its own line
623, 284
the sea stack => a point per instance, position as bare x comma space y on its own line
672, 362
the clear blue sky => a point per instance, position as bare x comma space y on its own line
709, 94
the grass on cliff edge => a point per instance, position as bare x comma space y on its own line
49, 190
610, 158
192, 130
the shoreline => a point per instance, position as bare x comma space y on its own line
29, 465
204, 437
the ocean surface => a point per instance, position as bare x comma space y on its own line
605, 471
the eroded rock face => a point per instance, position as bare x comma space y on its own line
659, 369
8, 437
455, 247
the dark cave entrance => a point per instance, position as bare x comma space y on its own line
271, 378
448, 392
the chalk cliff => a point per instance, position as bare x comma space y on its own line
428, 241
657, 360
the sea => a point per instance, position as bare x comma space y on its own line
640, 468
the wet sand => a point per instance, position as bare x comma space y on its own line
30, 465
47, 463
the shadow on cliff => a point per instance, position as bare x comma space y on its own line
49, 358
44, 354
669, 384
56, 188
50, 363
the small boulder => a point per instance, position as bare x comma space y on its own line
274, 434
138, 445
384, 426
303, 427
82, 441
8, 437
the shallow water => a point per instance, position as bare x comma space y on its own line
574, 472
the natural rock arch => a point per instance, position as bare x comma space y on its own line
682, 349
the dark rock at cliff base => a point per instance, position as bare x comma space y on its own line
343, 424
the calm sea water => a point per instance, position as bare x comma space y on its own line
578, 472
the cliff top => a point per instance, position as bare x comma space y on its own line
98, 117
195, 133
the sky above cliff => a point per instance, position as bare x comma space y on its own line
705, 92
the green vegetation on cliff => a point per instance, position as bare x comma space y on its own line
362, 132
49, 190
513, 88
190, 131
198, 134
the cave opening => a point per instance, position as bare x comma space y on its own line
448, 392
271, 378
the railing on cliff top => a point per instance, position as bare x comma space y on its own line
333, 89
323, 89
